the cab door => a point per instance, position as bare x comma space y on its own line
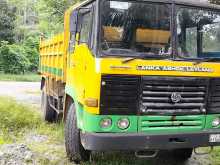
80, 43
71, 66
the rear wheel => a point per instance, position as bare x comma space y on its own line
49, 114
75, 150
182, 154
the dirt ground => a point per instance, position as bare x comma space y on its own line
24, 92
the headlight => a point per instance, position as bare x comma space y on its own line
106, 123
123, 123
216, 122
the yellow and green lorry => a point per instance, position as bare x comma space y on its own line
136, 76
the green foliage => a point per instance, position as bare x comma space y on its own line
20, 53
13, 58
57, 8
31, 46
7, 22
26, 19
20, 58
51, 15
31, 18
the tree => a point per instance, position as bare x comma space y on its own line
7, 22
26, 19
57, 8
51, 15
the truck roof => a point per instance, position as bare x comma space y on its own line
196, 3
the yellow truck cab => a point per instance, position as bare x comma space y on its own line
135, 76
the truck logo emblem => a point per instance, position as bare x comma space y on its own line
175, 68
176, 97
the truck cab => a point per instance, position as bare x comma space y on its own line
139, 76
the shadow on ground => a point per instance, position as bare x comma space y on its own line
163, 158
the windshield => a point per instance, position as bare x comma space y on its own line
135, 28
198, 33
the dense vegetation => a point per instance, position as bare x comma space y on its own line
22, 22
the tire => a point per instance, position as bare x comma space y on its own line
182, 154
74, 148
49, 114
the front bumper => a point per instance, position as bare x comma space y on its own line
135, 142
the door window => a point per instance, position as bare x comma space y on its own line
86, 26
73, 29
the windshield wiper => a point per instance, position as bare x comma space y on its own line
124, 61
146, 56
207, 60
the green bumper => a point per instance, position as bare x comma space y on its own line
147, 124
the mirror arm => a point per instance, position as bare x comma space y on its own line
77, 38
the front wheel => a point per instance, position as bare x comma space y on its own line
74, 148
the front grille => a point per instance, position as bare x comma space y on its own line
157, 91
119, 95
214, 96
165, 123
151, 95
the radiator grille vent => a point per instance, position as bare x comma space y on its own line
152, 95
214, 96
119, 95
159, 95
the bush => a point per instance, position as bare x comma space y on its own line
13, 58
31, 46
19, 58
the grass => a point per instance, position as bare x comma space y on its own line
15, 119
18, 121
215, 156
31, 77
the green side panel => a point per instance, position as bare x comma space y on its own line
149, 124
91, 123
170, 124
143, 124
51, 70
209, 120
